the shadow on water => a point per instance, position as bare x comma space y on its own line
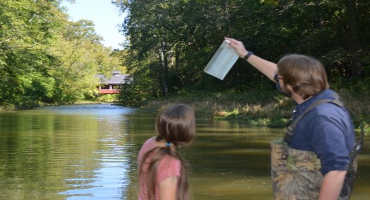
89, 152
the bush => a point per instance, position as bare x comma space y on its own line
109, 98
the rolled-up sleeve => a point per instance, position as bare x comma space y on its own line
329, 143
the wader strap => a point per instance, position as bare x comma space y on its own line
293, 124
352, 168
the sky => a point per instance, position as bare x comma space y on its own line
106, 17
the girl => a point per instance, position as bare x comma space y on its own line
162, 174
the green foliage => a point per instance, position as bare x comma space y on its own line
44, 58
136, 94
108, 98
188, 32
81, 57
170, 42
26, 28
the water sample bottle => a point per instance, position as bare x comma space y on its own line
222, 61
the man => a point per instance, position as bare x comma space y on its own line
321, 125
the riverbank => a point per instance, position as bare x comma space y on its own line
7, 107
267, 109
99, 100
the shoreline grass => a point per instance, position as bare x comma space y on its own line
11, 107
258, 109
267, 109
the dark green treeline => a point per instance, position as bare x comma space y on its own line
172, 41
44, 57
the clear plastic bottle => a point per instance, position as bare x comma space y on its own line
222, 61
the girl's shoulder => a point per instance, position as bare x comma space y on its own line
168, 166
150, 142
147, 146
169, 162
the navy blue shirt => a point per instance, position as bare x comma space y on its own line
326, 130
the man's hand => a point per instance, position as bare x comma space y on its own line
238, 46
332, 185
267, 68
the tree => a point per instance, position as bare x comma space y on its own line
46, 58
174, 40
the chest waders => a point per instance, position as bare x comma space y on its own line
296, 173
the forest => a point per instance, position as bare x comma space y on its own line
172, 41
47, 59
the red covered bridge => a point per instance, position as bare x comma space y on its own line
114, 83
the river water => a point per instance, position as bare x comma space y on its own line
89, 152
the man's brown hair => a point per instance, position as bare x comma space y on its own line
304, 74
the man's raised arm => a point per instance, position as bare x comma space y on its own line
268, 68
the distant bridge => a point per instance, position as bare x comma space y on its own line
114, 84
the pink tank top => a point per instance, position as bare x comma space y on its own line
167, 167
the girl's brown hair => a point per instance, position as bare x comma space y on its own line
175, 125
305, 74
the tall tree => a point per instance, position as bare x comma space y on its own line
174, 40
46, 58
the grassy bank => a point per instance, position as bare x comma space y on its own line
268, 108
7, 107
109, 98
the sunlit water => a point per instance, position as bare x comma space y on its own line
89, 152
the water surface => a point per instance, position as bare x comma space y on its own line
89, 152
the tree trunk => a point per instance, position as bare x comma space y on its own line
164, 70
352, 39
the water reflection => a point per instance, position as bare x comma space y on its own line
67, 152
89, 152
230, 160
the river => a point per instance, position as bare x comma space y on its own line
89, 152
